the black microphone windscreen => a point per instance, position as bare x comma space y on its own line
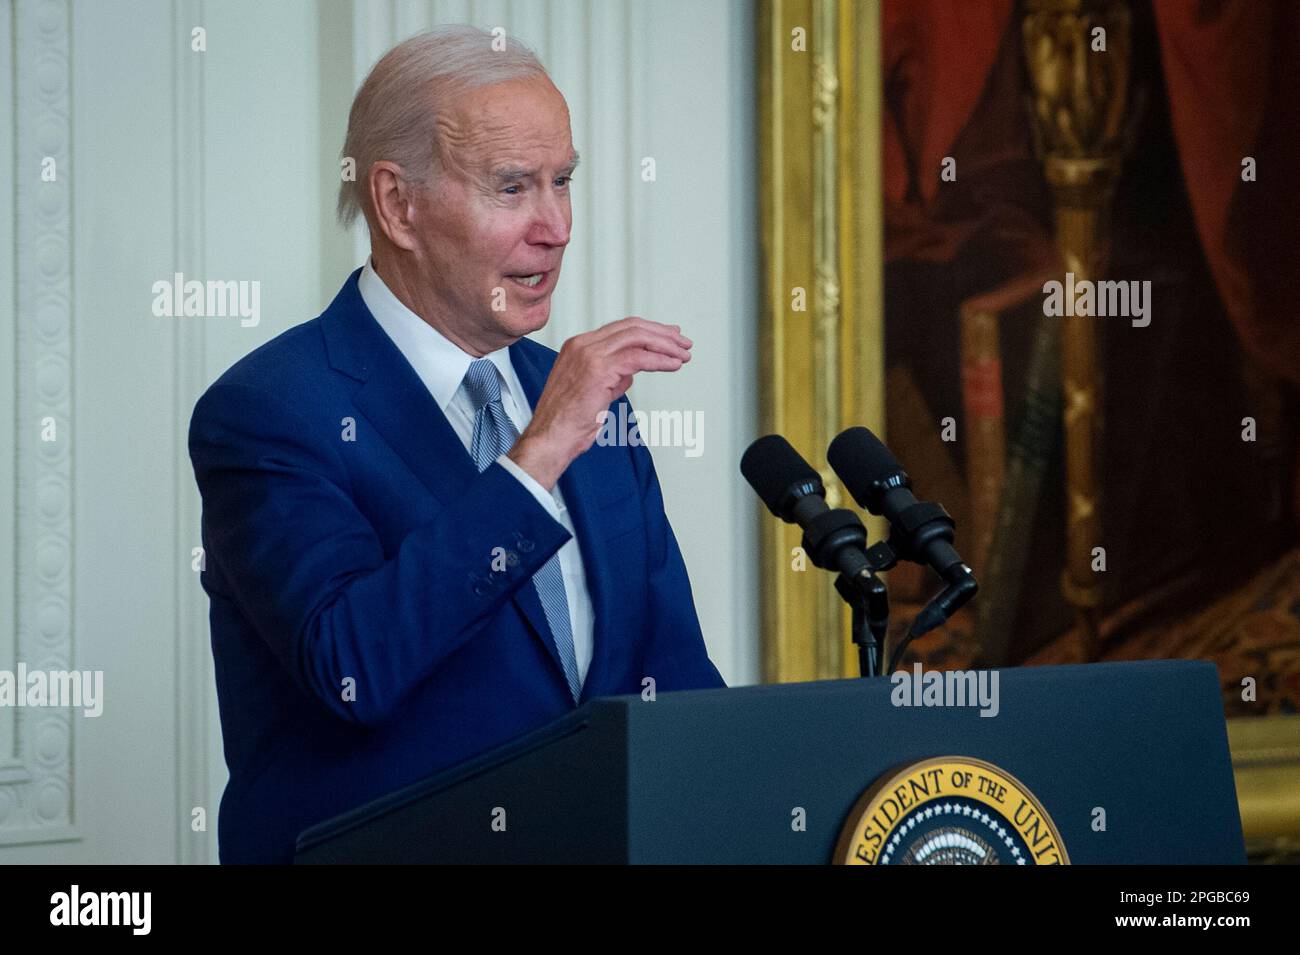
861, 459
772, 467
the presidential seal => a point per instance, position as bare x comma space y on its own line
951, 810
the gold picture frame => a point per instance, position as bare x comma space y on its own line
822, 324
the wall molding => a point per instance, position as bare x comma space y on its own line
194, 676
37, 752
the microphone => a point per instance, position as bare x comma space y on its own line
833, 539
922, 533
919, 531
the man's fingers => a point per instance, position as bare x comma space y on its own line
652, 340
605, 332
635, 360
632, 321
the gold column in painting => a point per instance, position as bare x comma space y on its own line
1080, 100
822, 326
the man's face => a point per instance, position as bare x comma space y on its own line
498, 212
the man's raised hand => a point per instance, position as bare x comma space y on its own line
593, 369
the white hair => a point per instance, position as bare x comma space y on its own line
394, 115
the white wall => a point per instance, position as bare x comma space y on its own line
223, 164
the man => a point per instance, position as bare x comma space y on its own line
414, 549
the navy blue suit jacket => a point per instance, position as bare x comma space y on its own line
362, 639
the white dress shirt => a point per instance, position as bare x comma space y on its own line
441, 365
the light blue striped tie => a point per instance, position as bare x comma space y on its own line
494, 434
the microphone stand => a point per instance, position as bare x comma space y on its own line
838, 533
869, 599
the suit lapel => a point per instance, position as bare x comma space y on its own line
396, 402
392, 396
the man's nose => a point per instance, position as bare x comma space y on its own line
552, 222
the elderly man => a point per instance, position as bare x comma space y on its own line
415, 550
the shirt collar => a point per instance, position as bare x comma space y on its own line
440, 362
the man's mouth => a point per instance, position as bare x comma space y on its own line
529, 281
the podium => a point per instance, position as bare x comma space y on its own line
1129, 760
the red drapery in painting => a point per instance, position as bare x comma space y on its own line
1230, 69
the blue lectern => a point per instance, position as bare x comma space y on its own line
1129, 760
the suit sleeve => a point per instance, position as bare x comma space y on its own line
308, 571
676, 656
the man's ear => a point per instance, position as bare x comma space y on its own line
393, 199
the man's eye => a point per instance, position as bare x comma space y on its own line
563, 180
509, 193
